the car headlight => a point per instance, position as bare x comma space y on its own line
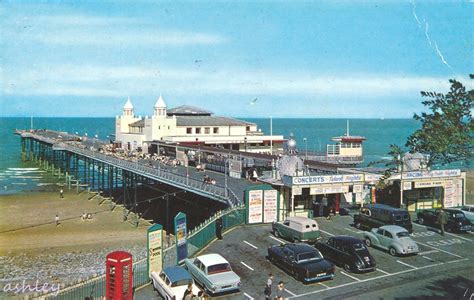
213, 288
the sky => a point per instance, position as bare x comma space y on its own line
308, 59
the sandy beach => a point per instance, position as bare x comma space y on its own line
33, 247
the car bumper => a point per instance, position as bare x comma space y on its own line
225, 289
366, 269
319, 278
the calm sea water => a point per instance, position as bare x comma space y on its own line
16, 176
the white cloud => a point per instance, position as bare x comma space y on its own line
149, 81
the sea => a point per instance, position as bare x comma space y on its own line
311, 134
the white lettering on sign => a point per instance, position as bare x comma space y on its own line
425, 184
270, 205
255, 206
430, 174
327, 179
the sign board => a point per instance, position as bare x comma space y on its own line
255, 206
431, 174
297, 191
357, 188
270, 206
427, 184
155, 248
235, 168
329, 189
372, 177
449, 192
181, 236
308, 180
407, 185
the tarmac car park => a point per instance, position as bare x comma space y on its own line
442, 268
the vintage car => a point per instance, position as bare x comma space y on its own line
172, 282
302, 261
348, 252
376, 215
393, 238
468, 212
297, 229
213, 272
457, 222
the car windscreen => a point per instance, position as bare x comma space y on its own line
403, 234
401, 218
359, 247
313, 255
182, 282
219, 268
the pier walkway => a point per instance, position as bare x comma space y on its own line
227, 189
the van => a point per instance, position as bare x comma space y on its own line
297, 229
376, 215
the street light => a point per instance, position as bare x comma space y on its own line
305, 148
245, 143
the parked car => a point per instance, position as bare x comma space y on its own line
172, 282
301, 260
297, 229
347, 252
468, 212
393, 238
213, 272
376, 215
457, 222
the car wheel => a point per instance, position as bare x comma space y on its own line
358, 225
347, 267
368, 242
421, 221
392, 251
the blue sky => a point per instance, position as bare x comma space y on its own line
299, 59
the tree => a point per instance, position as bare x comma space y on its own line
446, 132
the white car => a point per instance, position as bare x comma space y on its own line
213, 273
172, 282
468, 213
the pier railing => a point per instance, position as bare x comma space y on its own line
214, 191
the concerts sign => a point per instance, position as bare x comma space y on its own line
181, 236
155, 248
307, 180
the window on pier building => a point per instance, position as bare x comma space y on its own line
207, 130
216, 130
198, 130
189, 130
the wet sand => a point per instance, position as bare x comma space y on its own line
33, 247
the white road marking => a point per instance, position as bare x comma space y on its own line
350, 276
278, 240
427, 252
469, 240
430, 259
246, 265
248, 296
366, 280
326, 232
383, 271
408, 265
289, 292
358, 232
320, 283
250, 244
439, 249
456, 260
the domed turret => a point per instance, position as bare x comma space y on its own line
160, 107
128, 108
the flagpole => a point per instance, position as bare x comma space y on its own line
271, 135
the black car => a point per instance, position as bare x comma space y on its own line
347, 252
301, 260
377, 215
457, 221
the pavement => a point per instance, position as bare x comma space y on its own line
442, 269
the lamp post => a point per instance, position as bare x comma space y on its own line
199, 151
400, 163
245, 143
305, 140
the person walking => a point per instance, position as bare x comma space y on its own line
279, 291
219, 227
442, 220
188, 293
57, 219
61, 193
268, 287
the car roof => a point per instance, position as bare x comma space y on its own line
346, 239
300, 219
212, 259
385, 206
299, 247
393, 228
176, 273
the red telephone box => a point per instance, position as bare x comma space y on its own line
119, 276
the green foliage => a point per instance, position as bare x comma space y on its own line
446, 132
